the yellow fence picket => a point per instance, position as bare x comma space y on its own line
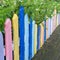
42, 34
57, 20
54, 20
15, 36
35, 39
46, 29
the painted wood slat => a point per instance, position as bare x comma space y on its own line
1, 47
45, 31
54, 20
30, 39
42, 34
8, 40
58, 18
38, 37
49, 27
55, 17
33, 29
35, 39
54, 24
15, 37
21, 32
26, 37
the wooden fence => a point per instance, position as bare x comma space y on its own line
23, 38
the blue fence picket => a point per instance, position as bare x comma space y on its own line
30, 39
45, 31
38, 37
33, 28
26, 38
21, 32
1, 47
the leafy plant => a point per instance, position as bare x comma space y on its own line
37, 9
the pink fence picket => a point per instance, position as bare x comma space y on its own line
8, 40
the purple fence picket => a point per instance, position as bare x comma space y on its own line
51, 25
8, 40
58, 18
47, 29
1, 47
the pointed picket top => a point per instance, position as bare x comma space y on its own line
7, 21
21, 32
1, 47
15, 17
8, 39
15, 36
26, 37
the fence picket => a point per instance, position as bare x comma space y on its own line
21, 32
30, 39
58, 18
35, 39
42, 34
49, 27
8, 40
33, 29
54, 20
1, 47
26, 37
45, 31
15, 37
38, 37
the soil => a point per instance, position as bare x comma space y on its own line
51, 48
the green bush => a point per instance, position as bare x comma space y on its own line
37, 9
